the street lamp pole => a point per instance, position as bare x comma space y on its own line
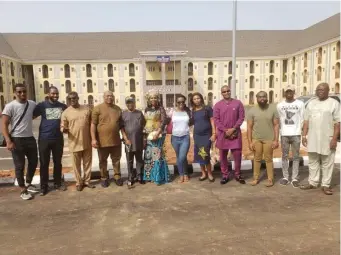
234, 22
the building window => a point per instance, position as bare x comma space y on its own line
190, 96
111, 85
285, 66
272, 66
110, 70
67, 86
337, 70
169, 100
284, 78
337, 88
304, 91
252, 66
230, 81
13, 85
89, 86
319, 73
45, 72
190, 84
271, 97
132, 85
190, 69
305, 76
210, 68
90, 101
0, 67
46, 87
152, 69
305, 60
252, 82
319, 56
210, 99
1, 85
67, 71
271, 82
2, 103
210, 83
88, 70
131, 69
170, 68
338, 50
251, 98
293, 78
230, 67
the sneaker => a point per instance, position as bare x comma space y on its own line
130, 185
295, 183
284, 182
105, 183
60, 187
25, 195
33, 189
43, 190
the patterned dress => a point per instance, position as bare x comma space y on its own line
155, 165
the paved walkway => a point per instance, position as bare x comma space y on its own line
195, 218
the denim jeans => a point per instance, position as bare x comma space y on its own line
181, 147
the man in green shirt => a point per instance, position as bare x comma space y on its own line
262, 135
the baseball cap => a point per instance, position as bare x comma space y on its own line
130, 100
289, 87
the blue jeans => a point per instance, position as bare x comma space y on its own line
181, 147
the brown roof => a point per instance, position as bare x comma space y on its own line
202, 44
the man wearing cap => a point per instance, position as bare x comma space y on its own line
132, 132
291, 115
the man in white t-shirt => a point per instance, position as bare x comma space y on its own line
291, 114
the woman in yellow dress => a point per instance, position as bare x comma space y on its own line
155, 165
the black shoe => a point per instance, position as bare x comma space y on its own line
105, 183
142, 182
240, 179
60, 187
224, 180
130, 184
119, 182
44, 190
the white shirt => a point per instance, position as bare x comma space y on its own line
180, 121
321, 115
291, 117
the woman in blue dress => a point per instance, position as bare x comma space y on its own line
155, 165
203, 135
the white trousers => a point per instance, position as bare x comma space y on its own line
318, 162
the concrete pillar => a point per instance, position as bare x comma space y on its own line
143, 85
163, 75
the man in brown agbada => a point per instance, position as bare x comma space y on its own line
106, 124
75, 122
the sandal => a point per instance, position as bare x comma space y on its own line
186, 179
211, 179
181, 179
270, 183
254, 182
327, 190
307, 186
203, 178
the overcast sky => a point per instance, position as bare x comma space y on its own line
86, 16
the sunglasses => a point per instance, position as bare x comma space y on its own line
226, 91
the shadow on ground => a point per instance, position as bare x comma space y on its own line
195, 218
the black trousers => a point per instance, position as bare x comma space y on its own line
45, 149
25, 146
139, 165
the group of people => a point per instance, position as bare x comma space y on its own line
106, 127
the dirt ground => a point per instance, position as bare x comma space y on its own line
196, 218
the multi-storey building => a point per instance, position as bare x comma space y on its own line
127, 63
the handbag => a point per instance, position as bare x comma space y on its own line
3, 142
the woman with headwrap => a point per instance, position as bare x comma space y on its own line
155, 165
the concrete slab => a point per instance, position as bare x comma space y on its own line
198, 218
